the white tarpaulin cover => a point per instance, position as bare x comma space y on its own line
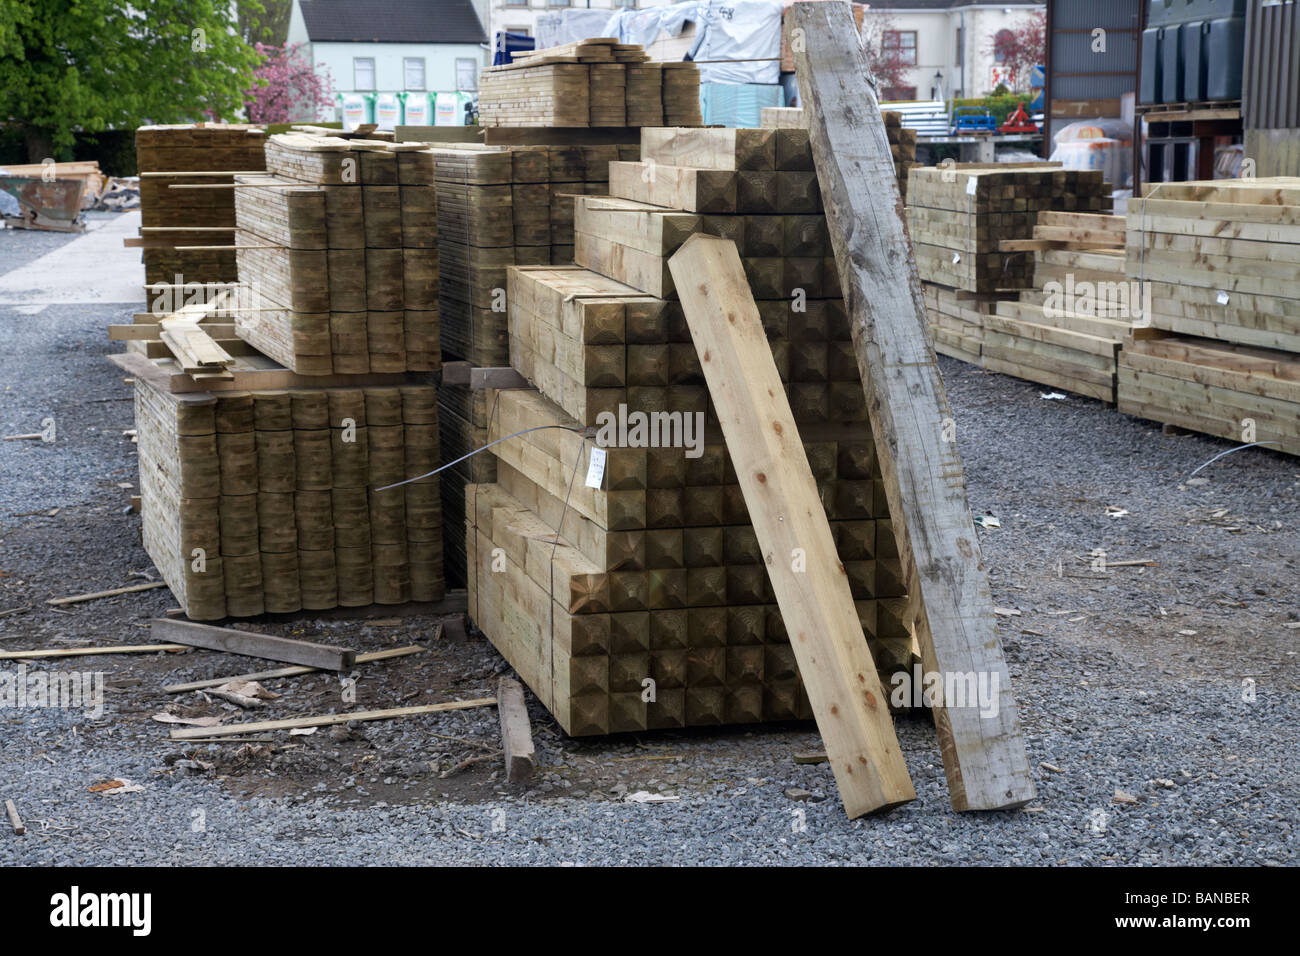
732, 30
558, 27
740, 30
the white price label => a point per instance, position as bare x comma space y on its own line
956, 258
970, 186
1222, 298
596, 468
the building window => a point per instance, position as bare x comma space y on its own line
902, 43
625, 4
363, 73
1003, 40
516, 3
466, 73
559, 3
961, 46
894, 94
413, 72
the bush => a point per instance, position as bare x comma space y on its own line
1001, 106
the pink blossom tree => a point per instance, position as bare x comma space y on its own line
286, 87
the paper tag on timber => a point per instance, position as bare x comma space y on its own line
1222, 298
596, 468
956, 258
970, 186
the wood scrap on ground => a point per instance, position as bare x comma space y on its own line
91, 651
516, 732
15, 820
112, 592
290, 671
329, 720
251, 644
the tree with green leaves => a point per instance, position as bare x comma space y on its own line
91, 65
265, 22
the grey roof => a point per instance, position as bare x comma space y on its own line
392, 21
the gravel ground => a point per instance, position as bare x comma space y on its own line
1137, 679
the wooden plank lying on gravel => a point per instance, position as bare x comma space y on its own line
772, 467
15, 820
516, 732
321, 656
327, 720
77, 598
983, 756
87, 651
369, 658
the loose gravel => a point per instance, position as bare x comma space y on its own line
1173, 686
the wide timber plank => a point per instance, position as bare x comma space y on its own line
984, 758
835, 663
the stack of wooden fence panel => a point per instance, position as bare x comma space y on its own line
269, 501
1066, 332
1219, 265
655, 580
192, 217
902, 141
338, 257
589, 83
498, 206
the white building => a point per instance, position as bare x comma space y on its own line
951, 44
391, 46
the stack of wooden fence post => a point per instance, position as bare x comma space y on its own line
338, 256
1219, 267
1067, 331
498, 206
272, 487
209, 154
590, 83
902, 141
958, 217
655, 573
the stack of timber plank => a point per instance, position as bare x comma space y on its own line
1219, 266
497, 206
957, 216
268, 501
276, 419
651, 569
902, 141
1066, 332
338, 256
590, 83
177, 150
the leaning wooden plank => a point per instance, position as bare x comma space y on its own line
825, 632
516, 732
327, 720
131, 589
255, 645
983, 750
90, 651
290, 671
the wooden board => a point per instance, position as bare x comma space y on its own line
267, 646
984, 757
836, 665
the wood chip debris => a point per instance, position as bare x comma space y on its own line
110, 788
